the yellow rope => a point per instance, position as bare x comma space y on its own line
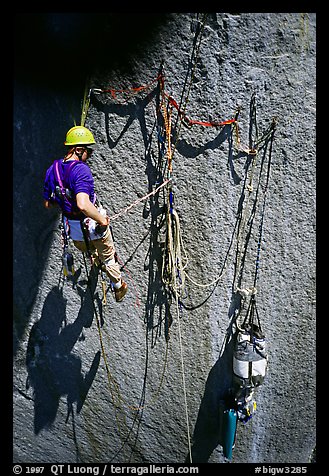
183, 377
174, 260
172, 265
85, 105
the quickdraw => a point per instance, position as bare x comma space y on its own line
67, 257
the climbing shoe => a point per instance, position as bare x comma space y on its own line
121, 292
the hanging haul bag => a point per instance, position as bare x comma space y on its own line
249, 357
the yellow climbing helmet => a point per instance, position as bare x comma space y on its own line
79, 135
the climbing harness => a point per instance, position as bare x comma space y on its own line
62, 194
64, 197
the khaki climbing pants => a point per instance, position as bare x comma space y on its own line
103, 249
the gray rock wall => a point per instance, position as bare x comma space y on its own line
115, 392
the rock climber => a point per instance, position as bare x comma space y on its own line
69, 183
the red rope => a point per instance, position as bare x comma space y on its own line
189, 122
134, 90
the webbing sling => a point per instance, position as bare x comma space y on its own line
59, 179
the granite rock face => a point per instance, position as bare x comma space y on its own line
97, 382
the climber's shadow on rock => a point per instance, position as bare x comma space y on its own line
53, 370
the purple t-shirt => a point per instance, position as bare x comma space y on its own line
80, 179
